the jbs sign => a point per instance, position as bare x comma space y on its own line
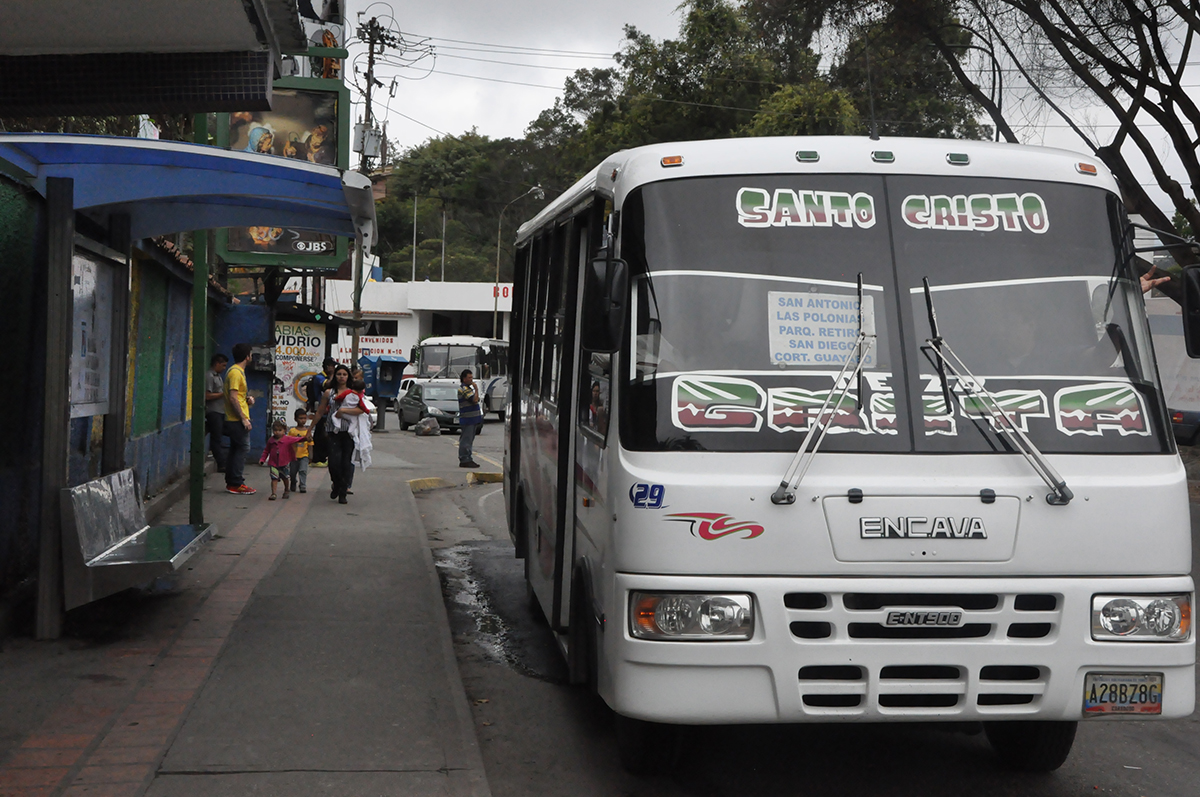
966, 528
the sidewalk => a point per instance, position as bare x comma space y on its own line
305, 652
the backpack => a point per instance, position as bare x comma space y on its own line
316, 385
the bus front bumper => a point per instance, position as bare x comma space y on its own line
842, 663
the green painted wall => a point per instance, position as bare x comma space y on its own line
151, 350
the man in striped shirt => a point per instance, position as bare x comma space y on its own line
470, 416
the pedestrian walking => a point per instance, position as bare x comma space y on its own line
214, 408
238, 402
341, 444
470, 417
299, 469
278, 455
315, 392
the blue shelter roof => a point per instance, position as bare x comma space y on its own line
169, 186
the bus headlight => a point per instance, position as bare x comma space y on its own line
691, 617
1142, 618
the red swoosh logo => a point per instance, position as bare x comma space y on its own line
715, 525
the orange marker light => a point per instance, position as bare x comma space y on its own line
643, 614
1085, 168
672, 160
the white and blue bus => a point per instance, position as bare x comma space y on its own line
843, 430
447, 356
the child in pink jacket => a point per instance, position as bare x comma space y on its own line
279, 453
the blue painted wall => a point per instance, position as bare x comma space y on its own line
249, 323
160, 451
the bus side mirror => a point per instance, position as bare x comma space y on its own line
605, 292
1191, 310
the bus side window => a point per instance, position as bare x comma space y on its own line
596, 390
539, 270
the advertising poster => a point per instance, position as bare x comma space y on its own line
91, 328
302, 125
323, 35
299, 350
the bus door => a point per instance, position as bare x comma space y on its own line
589, 516
547, 455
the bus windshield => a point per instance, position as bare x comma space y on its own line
745, 308
447, 362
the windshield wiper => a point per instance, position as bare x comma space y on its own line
1060, 494
785, 493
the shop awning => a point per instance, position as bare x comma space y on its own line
168, 186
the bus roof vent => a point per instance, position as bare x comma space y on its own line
808, 156
883, 156
958, 158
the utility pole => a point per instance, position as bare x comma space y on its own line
377, 39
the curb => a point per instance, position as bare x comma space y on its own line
431, 483
466, 724
485, 478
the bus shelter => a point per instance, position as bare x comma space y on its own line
142, 188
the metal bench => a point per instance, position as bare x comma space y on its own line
109, 547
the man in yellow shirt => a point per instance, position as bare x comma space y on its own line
238, 402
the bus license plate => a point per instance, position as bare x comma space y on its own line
1122, 693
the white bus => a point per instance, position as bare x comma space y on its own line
833, 429
447, 356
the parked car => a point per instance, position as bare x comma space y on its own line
1186, 424
428, 399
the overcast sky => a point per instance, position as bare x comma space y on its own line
454, 97
456, 93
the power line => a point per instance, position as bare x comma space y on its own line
510, 63
498, 80
531, 55
516, 47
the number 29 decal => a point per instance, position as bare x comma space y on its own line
647, 496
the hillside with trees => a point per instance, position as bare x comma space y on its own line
737, 69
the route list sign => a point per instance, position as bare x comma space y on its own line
814, 328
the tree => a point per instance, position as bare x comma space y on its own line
812, 109
903, 81
748, 68
472, 178
1059, 56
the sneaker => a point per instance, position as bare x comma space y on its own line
342, 500
318, 464
244, 489
231, 489
272, 498
470, 463
286, 496
302, 490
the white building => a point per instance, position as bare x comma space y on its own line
399, 314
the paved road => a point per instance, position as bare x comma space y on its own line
542, 737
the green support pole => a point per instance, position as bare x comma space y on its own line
199, 347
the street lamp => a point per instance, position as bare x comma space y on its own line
540, 194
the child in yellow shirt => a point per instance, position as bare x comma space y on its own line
299, 467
